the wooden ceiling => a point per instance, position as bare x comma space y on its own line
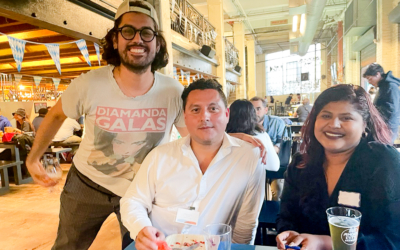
37, 61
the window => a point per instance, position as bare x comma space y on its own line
284, 71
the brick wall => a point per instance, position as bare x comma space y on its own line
388, 48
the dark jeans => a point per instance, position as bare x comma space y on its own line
84, 207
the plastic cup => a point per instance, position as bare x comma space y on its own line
344, 224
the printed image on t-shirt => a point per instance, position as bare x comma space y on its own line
123, 138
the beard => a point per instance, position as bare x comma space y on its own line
260, 118
137, 66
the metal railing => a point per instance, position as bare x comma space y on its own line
231, 54
188, 22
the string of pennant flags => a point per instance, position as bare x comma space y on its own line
6, 80
18, 49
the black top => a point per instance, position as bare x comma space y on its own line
288, 100
372, 171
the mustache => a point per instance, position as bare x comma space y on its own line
136, 45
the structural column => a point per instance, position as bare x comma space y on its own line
216, 18
352, 62
164, 14
387, 47
239, 42
251, 68
261, 85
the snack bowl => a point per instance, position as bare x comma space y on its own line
184, 241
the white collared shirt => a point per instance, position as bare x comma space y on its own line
231, 191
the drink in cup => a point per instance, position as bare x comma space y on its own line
344, 224
218, 237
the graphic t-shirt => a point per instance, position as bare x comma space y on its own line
120, 130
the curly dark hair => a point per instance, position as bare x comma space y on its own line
243, 118
111, 56
203, 84
376, 128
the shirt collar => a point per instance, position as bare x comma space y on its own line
227, 143
266, 120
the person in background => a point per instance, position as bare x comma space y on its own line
271, 99
38, 120
303, 111
344, 152
387, 100
48, 108
275, 127
66, 132
243, 119
372, 93
298, 98
217, 175
289, 99
22, 125
4, 122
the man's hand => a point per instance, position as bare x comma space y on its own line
38, 173
255, 141
148, 237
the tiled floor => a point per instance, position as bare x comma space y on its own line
29, 219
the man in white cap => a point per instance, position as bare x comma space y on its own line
129, 109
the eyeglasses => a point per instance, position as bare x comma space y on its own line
129, 33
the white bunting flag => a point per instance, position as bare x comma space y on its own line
84, 50
18, 50
54, 51
96, 46
37, 80
56, 82
17, 78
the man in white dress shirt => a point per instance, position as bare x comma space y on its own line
208, 174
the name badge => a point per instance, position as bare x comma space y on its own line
186, 216
350, 199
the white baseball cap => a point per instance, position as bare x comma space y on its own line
127, 6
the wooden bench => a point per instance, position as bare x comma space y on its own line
5, 184
57, 151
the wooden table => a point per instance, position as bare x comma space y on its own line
13, 146
233, 247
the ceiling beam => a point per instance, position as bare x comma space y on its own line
29, 35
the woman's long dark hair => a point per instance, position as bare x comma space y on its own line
243, 118
111, 56
376, 128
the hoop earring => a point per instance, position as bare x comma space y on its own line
364, 134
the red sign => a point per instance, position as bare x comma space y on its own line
131, 120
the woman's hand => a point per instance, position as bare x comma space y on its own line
307, 241
284, 238
255, 141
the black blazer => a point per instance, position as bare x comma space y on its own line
373, 171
